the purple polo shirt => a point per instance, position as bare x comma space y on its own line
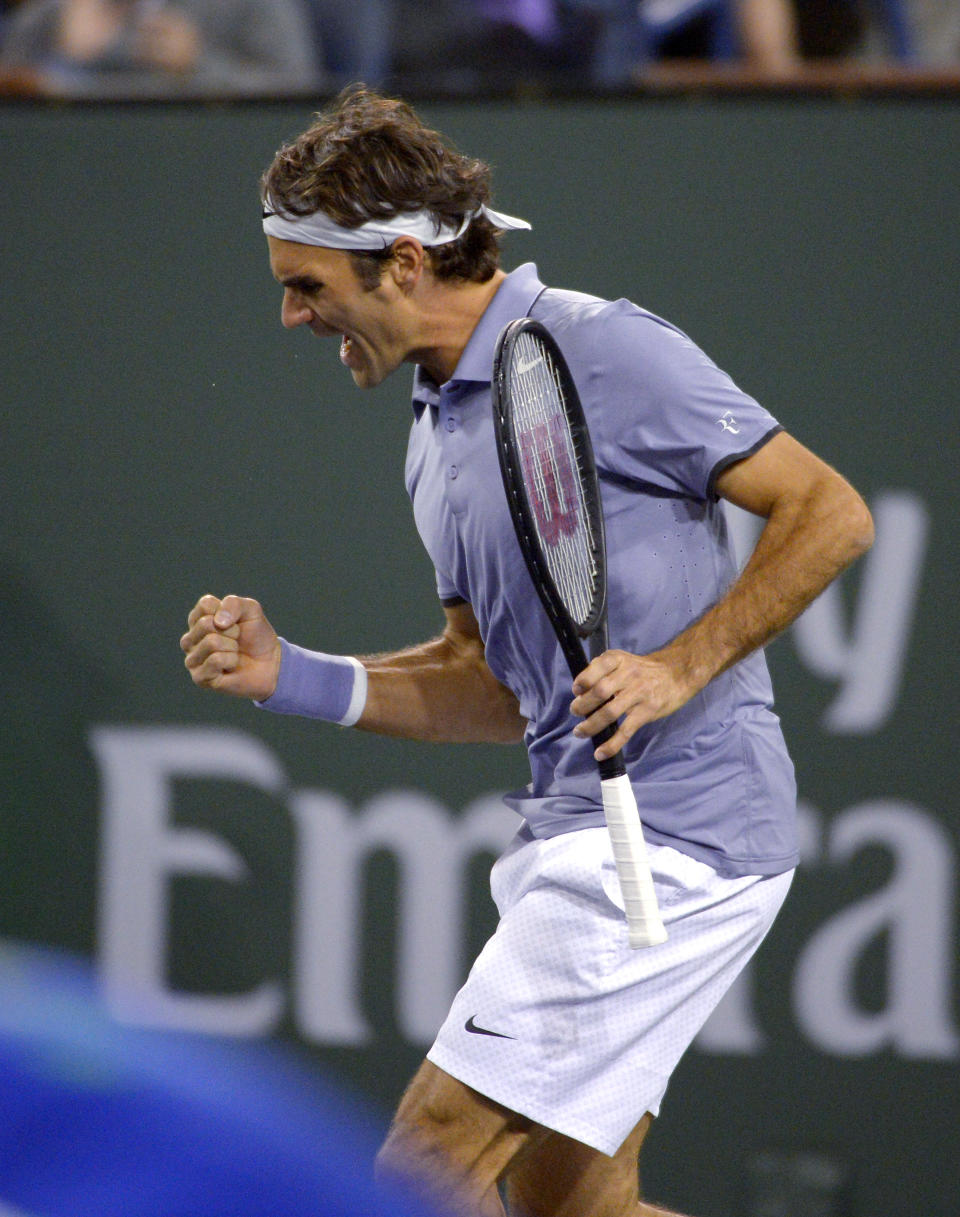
714, 779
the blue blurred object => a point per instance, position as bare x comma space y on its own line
659, 19
632, 32
895, 22
99, 1120
356, 40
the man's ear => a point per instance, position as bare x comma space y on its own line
407, 264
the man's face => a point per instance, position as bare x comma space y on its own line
321, 290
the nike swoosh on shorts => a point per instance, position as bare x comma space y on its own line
472, 1027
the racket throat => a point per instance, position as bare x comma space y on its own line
599, 641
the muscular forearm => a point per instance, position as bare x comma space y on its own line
440, 691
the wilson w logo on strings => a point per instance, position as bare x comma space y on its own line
551, 480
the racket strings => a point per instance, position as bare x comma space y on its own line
551, 475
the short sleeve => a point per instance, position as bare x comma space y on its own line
660, 411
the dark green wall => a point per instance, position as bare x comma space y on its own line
162, 436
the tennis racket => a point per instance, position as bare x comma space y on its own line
550, 479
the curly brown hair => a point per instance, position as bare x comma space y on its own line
370, 157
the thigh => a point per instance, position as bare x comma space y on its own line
560, 1177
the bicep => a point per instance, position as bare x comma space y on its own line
493, 704
462, 623
800, 496
783, 470
465, 651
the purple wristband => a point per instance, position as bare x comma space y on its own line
315, 685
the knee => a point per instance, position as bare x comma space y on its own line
451, 1143
431, 1129
406, 1147
435, 1154
422, 1153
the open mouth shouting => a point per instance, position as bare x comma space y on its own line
348, 351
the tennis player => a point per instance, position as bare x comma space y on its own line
543, 1081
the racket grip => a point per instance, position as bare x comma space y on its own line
644, 925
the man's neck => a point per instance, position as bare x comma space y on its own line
450, 312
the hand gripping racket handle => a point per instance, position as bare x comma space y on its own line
644, 925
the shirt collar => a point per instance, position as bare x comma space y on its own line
514, 298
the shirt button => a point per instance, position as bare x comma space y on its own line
454, 471
451, 424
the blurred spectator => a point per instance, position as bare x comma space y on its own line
163, 48
7, 8
762, 33
491, 46
159, 48
356, 39
828, 29
936, 31
920, 33
923, 32
768, 36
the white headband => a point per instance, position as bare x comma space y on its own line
319, 229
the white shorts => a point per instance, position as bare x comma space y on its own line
559, 1019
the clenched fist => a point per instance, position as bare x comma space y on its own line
231, 646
